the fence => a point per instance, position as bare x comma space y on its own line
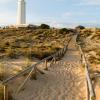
32, 70
90, 89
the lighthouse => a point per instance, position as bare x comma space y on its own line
21, 14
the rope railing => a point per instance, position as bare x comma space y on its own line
32, 70
90, 89
62, 51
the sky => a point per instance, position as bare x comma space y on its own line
58, 13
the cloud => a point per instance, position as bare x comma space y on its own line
89, 2
65, 13
5, 1
72, 14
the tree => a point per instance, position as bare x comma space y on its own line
64, 30
30, 26
80, 27
44, 26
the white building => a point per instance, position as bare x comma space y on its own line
21, 14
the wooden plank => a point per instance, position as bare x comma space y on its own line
5, 92
54, 60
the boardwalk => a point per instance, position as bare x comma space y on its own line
65, 80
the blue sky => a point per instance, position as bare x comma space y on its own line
57, 13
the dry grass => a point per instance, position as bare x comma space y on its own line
90, 42
1, 92
2, 71
38, 43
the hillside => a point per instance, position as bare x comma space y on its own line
28, 42
90, 42
31, 42
40, 43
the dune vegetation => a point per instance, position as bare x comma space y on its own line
1, 92
33, 41
90, 42
28, 42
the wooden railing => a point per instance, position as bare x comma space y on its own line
32, 70
90, 90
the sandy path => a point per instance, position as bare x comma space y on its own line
64, 81
97, 88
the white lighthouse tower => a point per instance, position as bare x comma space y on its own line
21, 15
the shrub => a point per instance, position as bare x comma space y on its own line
80, 27
64, 30
2, 71
2, 50
30, 26
10, 53
44, 26
7, 43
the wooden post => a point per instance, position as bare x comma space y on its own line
51, 62
81, 58
66, 48
54, 60
58, 55
33, 75
61, 52
46, 66
5, 92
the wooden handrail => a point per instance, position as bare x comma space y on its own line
32, 66
88, 79
25, 80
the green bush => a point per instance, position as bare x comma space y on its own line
44, 26
64, 30
80, 27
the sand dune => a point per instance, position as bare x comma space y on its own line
65, 80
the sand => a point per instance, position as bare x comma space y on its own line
97, 88
64, 80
